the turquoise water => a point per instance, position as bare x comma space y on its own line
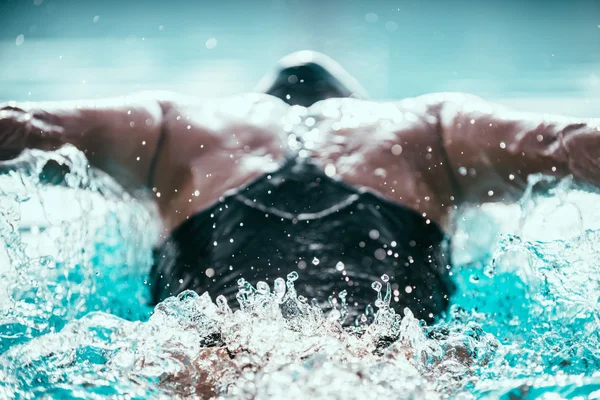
74, 321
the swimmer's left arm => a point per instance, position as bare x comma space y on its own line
493, 149
117, 135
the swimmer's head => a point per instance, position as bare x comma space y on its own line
305, 77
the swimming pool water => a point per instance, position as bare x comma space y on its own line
74, 319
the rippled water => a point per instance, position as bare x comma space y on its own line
74, 321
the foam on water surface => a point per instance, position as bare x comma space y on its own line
74, 320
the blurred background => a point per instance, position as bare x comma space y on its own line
539, 55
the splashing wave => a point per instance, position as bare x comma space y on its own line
74, 321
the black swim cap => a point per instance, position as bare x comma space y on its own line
305, 77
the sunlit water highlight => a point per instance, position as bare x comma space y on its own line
74, 320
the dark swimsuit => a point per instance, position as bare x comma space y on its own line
300, 219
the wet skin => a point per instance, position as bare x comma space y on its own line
395, 148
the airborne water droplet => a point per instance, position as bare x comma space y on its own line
339, 266
292, 276
376, 286
262, 287
315, 261
279, 287
385, 278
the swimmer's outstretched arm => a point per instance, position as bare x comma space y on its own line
493, 149
117, 135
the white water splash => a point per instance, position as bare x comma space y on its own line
523, 324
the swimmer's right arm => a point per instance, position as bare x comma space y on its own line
494, 149
119, 136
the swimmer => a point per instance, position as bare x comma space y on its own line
309, 176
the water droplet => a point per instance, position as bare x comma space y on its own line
376, 286
374, 234
211, 43
380, 254
279, 287
339, 266
262, 287
396, 149
371, 17
330, 170
20, 39
408, 289
385, 278
315, 261
221, 301
292, 276
462, 171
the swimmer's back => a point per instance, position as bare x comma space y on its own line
211, 147
297, 218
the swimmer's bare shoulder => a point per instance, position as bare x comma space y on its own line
117, 135
213, 146
209, 145
437, 151
392, 148
493, 149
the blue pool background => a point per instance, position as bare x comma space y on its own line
535, 55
